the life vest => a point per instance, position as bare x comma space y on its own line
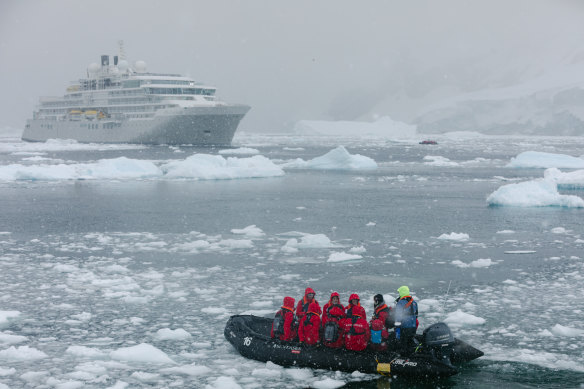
352, 330
412, 305
382, 308
328, 311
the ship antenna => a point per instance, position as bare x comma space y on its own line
444, 300
121, 52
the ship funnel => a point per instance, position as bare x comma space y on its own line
105, 60
115, 60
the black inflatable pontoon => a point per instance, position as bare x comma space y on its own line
250, 335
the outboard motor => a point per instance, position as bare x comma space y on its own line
439, 342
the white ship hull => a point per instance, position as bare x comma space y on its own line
211, 125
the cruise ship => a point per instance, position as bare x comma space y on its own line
119, 103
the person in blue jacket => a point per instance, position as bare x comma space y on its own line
406, 319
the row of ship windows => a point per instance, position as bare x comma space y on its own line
95, 126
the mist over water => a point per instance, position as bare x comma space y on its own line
96, 267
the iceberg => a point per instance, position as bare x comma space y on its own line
571, 180
336, 159
536, 193
537, 159
198, 166
215, 167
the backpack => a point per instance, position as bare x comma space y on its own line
331, 331
278, 325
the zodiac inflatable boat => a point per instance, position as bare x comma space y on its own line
436, 355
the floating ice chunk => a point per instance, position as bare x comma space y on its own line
168, 334
436, 160
299, 374
570, 180
215, 167
506, 232
241, 150
371, 224
459, 237
336, 159
537, 159
309, 241
145, 377
86, 352
357, 250
6, 372
190, 370
143, 353
84, 316
459, 318
119, 385
22, 353
559, 230
481, 262
560, 330
536, 193
251, 231
342, 256
8, 339
224, 383
328, 383
7, 316
261, 304
64, 268
520, 252
266, 373
214, 310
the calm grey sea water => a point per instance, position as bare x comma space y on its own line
97, 265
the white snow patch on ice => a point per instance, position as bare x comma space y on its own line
569, 180
560, 330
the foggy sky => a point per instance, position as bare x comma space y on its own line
294, 60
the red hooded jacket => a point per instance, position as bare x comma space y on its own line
356, 330
289, 326
308, 331
304, 302
334, 313
349, 308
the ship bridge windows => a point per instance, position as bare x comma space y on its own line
182, 91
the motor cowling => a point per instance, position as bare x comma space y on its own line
439, 341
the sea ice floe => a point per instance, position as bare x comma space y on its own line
481, 262
21, 353
538, 159
168, 334
9, 339
435, 160
342, 256
460, 318
189, 370
7, 316
142, 353
569, 180
336, 159
455, 236
250, 231
328, 383
560, 330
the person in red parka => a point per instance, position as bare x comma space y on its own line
303, 304
380, 323
353, 302
309, 329
332, 314
356, 330
284, 324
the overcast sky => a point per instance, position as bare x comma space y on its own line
292, 60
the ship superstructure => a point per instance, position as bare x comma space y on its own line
118, 103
